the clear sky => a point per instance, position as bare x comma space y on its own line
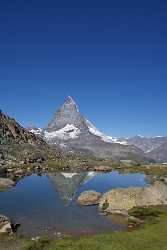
112, 59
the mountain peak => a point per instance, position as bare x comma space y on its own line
68, 114
69, 99
69, 105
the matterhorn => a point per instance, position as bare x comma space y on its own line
71, 130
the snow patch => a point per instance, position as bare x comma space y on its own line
68, 132
36, 131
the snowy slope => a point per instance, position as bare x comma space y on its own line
93, 130
68, 132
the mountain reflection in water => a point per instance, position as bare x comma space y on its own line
46, 204
67, 184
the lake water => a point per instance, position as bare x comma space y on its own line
46, 204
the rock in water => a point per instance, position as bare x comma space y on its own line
88, 198
123, 199
6, 183
5, 225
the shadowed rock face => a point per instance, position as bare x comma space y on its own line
67, 184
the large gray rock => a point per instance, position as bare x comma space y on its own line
88, 198
6, 183
121, 200
5, 225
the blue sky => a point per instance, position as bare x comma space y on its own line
111, 59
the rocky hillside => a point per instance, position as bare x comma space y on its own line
12, 132
159, 154
20, 147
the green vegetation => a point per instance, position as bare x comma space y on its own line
157, 170
146, 212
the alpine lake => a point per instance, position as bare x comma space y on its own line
46, 204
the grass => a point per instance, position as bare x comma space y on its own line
151, 236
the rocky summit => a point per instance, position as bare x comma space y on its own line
71, 130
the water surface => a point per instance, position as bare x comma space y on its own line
46, 204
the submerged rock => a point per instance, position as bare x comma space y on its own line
88, 198
123, 199
6, 183
5, 225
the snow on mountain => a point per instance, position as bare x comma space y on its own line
68, 132
36, 131
93, 130
68, 123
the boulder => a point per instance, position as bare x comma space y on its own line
123, 199
6, 183
19, 172
88, 198
5, 225
103, 169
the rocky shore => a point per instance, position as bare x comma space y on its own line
5, 225
120, 201
6, 183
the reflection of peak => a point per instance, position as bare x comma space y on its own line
68, 175
67, 184
90, 176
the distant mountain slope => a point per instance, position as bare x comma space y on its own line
145, 143
159, 154
71, 130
